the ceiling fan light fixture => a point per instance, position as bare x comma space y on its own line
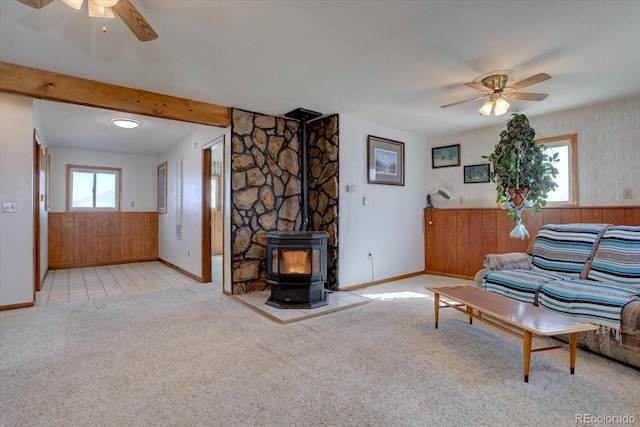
105, 3
76, 4
125, 123
98, 11
485, 110
501, 107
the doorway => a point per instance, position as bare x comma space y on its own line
213, 211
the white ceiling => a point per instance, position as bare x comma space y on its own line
389, 62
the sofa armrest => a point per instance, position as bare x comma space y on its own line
509, 261
479, 277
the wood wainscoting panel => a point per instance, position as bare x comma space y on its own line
456, 240
66, 239
632, 216
82, 239
79, 239
614, 216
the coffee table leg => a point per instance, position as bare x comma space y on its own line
470, 311
436, 305
527, 354
573, 349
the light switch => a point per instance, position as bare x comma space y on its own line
9, 207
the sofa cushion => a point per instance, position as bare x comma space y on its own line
617, 258
518, 260
565, 249
521, 285
591, 301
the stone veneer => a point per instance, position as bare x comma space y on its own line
266, 192
324, 188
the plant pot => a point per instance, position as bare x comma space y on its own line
517, 197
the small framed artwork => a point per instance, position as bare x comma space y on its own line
476, 173
442, 157
385, 161
162, 188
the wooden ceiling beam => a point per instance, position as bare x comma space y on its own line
51, 86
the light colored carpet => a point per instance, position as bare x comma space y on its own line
194, 357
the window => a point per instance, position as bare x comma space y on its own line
92, 187
215, 192
566, 149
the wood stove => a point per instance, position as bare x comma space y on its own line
297, 268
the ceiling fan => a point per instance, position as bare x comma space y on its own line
104, 9
496, 90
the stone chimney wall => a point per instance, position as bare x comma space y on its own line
324, 186
266, 192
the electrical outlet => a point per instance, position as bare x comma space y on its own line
351, 188
627, 193
461, 200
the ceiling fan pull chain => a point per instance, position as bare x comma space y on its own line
104, 25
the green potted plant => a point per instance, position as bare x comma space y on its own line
522, 170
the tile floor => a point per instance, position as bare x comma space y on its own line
338, 300
79, 284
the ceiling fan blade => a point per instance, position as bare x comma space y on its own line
36, 4
134, 20
527, 96
464, 102
530, 81
479, 86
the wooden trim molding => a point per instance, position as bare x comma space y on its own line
377, 282
74, 90
16, 306
181, 271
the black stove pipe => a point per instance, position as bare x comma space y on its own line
304, 115
305, 175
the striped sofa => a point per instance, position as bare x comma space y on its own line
587, 271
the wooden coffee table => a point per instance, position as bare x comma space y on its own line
478, 303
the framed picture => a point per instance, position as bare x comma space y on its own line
442, 157
162, 188
476, 173
385, 161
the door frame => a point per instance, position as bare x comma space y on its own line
206, 207
37, 192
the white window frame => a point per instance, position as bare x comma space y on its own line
571, 142
93, 169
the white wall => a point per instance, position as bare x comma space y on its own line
139, 176
185, 251
608, 155
16, 185
390, 226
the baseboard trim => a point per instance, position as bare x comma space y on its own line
377, 282
181, 271
439, 273
100, 264
17, 306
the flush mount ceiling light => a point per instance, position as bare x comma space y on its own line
125, 123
